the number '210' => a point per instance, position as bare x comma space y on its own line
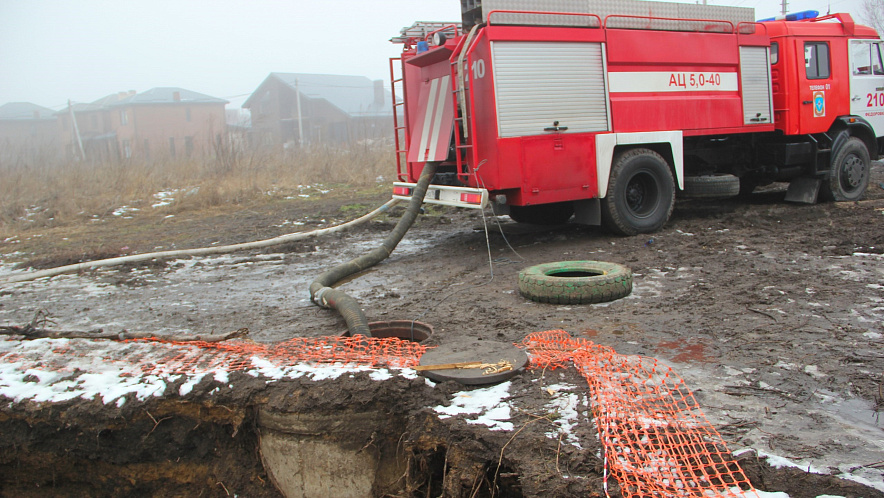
875, 100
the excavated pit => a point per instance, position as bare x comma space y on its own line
350, 436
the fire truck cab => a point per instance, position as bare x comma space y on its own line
606, 113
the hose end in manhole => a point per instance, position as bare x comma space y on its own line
408, 330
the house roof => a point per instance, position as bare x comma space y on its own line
101, 104
24, 111
113, 98
354, 95
80, 107
167, 95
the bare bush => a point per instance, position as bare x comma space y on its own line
872, 13
50, 192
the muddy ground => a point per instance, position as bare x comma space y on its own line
772, 312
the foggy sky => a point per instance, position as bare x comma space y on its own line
54, 50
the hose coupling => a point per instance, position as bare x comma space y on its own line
318, 298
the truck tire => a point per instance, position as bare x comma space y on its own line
575, 282
557, 213
641, 193
849, 173
711, 186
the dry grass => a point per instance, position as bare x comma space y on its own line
37, 193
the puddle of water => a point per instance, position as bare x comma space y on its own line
857, 414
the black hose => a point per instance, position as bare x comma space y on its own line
321, 291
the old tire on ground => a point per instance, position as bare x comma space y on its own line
711, 186
849, 173
557, 213
575, 282
641, 193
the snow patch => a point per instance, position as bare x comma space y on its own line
487, 402
57, 370
565, 399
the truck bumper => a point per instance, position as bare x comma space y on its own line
465, 197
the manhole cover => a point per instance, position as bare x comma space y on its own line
473, 362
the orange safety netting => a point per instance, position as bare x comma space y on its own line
655, 438
241, 355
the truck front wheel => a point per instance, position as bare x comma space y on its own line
641, 193
849, 173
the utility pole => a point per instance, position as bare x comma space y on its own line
76, 131
785, 7
300, 123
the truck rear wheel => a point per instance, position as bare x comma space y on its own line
641, 193
849, 174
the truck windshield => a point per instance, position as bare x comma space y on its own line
866, 58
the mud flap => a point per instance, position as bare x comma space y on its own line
804, 190
588, 212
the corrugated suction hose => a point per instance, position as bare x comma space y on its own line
321, 291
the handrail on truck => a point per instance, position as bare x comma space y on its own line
443, 28
754, 25
576, 14
676, 19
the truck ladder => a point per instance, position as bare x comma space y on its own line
459, 78
400, 134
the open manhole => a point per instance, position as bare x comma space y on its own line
409, 330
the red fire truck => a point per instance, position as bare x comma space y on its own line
605, 114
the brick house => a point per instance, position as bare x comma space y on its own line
166, 122
94, 130
27, 130
319, 108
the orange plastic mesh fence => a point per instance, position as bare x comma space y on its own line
241, 355
656, 440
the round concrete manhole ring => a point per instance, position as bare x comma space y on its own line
409, 330
473, 362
